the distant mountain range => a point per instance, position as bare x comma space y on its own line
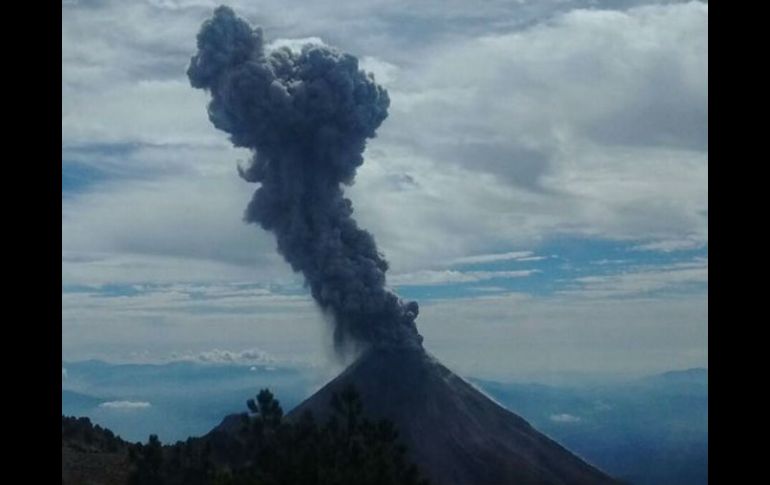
648, 431
174, 400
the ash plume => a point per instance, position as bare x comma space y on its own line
306, 117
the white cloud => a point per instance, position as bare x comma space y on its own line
515, 334
670, 245
565, 418
544, 110
189, 320
218, 356
501, 136
384, 72
671, 277
444, 277
143, 230
152, 112
602, 406
498, 133
184, 299
294, 44
63, 374
604, 262
491, 258
489, 289
125, 405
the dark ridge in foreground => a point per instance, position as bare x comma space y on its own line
92, 454
454, 433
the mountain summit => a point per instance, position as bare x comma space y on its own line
453, 432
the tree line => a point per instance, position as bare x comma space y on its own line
346, 449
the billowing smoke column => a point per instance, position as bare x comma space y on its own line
306, 117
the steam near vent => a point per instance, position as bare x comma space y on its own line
306, 117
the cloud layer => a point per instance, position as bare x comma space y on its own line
125, 405
512, 125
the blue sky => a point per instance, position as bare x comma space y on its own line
540, 185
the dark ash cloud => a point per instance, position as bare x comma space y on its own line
306, 117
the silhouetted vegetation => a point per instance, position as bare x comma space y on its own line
147, 460
92, 454
347, 449
81, 434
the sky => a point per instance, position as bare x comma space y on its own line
540, 185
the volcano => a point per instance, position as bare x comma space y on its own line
306, 116
453, 432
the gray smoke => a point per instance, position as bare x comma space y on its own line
306, 117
